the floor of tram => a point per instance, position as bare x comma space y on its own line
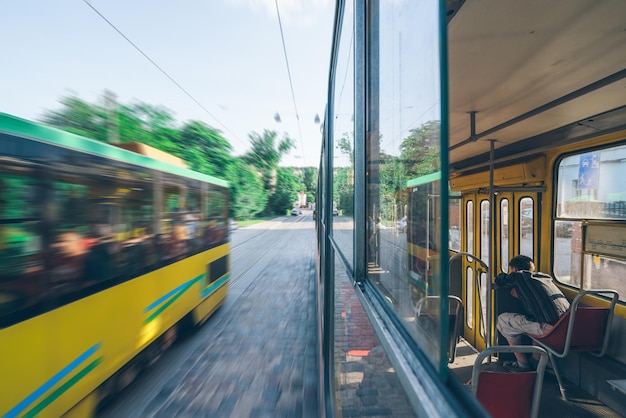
580, 403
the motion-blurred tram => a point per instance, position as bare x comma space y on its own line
106, 255
497, 128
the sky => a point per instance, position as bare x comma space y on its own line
224, 61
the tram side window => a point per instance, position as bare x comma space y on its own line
68, 212
504, 235
454, 234
526, 226
21, 252
469, 227
485, 219
215, 224
173, 245
590, 191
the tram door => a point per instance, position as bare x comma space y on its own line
475, 214
514, 231
517, 226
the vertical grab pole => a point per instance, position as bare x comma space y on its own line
492, 220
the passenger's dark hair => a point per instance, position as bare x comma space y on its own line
521, 262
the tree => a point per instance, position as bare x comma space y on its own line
309, 180
420, 150
204, 149
248, 197
288, 185
265, 154
267, 150
78, 117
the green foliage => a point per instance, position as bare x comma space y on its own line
419, 155
204, 149
288, 185
267, 149
248, 197
257, 184
79, 117
309, 181
420, 150
343, 189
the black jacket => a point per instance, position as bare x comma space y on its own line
543, 301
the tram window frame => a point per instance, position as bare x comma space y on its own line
469, 226
505, 232
485, 219
526, 225
577, 208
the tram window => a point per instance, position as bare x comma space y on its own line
589, 188
469, 227
68, 249
485, 218
214, 226
567, 250
602, 272
590, 185
504, 235
469, 296
403, 131
454, 220
483, 301
341, 219
21, 252
526, 226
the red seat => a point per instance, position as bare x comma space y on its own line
581, 328
509, 395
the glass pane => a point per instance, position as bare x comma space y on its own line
343, 139
591, 186
469, 227
469, 296
403, 154
485, 218
454, 221
527, 226
504, 235
22, 258
603, 272
567, 251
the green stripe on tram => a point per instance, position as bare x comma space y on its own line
169, 302
428, 178
63, 388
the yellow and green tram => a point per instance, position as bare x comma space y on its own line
104, 255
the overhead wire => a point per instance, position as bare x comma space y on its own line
293, 96
177, 84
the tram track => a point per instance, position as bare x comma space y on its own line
256, 244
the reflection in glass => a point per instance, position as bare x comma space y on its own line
343, 140
403, 148
454, 221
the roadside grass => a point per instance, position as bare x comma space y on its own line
247, 222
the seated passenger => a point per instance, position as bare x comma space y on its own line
543, 304
67, 261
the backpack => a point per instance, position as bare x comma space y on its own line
542, 300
